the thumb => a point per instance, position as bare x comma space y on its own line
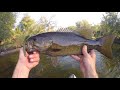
84, 50
22, 53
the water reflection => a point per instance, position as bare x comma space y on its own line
63, 67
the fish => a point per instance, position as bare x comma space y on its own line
67, 43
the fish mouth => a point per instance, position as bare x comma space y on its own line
31, 50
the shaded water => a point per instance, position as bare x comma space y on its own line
63, 67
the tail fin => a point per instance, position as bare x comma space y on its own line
107, 42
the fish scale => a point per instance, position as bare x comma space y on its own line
71, 38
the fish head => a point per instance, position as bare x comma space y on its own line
29, 45
38, 44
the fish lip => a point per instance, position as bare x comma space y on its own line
31, 50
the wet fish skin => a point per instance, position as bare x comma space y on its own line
67, 43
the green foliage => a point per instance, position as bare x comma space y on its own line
47, 24
96, 31
83, 24
87, 30
84, 28
17, 37
25, 23
72, 27
110, 23
7, 20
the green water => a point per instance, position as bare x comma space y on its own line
63, 67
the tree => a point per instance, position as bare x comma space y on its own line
47, 24
17, 37
110, 23
43, 25
72, 27
84, 28
7, 21
96, 30
83, 24
25, 23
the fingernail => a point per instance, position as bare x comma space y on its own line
85, 47
34, 52
31, 60
30, 56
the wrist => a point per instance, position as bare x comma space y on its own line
21, 71
22, 66
91, 75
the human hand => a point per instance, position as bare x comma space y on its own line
25, 64
30, 61
87, 63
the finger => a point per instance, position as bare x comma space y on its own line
33, 55
36, 52
75, 57
22, 53
84, 50
92, 54
37, 55
34, 60
80, 56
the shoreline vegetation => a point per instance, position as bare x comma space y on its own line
8, 51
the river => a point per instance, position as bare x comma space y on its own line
63, 67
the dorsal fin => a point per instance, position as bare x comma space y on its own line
88, 34
67, 30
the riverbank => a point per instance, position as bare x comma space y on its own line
8, 51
